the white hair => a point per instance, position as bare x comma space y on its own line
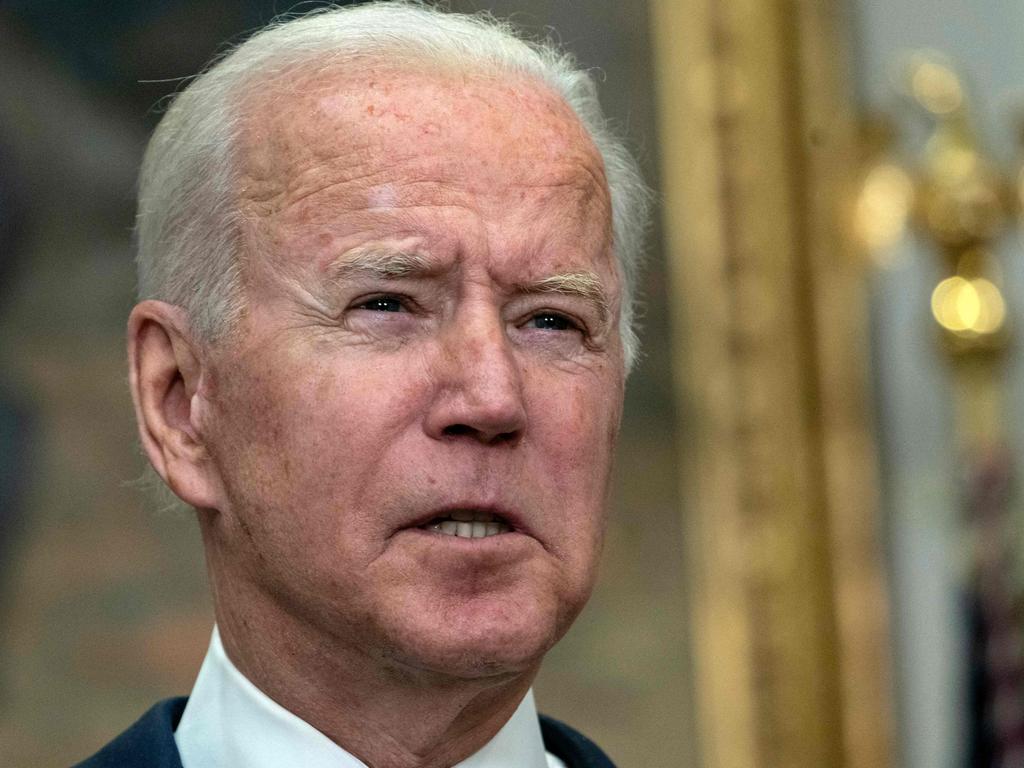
189, 226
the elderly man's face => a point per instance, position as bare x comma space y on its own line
431, 340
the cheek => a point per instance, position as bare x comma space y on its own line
579, 429
589, 424
309, 426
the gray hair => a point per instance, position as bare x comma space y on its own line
189, 226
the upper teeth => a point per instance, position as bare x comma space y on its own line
468, 525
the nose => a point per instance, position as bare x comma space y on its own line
479, 387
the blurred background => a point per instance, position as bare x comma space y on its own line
815, 554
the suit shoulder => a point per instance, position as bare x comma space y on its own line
148, 743
570, 746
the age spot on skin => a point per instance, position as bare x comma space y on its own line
382, 197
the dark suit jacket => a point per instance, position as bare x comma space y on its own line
150, 743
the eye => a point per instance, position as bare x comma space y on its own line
551, 321
383, 304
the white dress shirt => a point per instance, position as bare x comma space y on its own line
229, 723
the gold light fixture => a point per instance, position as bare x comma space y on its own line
956, 198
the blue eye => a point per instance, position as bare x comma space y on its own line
549, 321
383, 304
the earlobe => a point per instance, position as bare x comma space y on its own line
166, 378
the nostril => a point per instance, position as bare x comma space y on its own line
505, 437
455, 430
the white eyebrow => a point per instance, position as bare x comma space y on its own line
384, 262
377, 261
586, 285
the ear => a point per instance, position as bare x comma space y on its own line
166, 375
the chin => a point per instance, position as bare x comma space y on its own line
480, 639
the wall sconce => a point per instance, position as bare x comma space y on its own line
956, 199
961, 203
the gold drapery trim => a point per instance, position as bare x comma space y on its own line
789, 612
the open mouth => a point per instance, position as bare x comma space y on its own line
468, 524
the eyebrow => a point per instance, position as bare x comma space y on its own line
383, 262
376, 261
586, 285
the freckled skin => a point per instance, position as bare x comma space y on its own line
333, 428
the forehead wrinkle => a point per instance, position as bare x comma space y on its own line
280, 191
360, 110
586, 285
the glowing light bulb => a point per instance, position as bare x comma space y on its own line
883, 206
965, 307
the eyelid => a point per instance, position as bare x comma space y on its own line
567, 316
577, 308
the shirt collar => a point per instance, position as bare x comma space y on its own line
228, 721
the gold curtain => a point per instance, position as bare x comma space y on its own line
758, 148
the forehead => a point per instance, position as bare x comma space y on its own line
385, 126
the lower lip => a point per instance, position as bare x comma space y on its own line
496, 543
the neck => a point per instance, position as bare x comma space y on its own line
385, 712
